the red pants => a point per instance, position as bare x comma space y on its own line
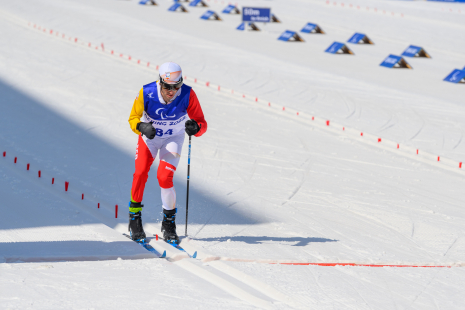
144, 160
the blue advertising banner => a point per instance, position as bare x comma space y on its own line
177, 7
210, 15
231, 9
448, 0
143, 2
415, 51
393, 61
308, 28
360, 38
174, 7
198, 3
457, 76
289, 35
207, 15
286, 35
390, 61
262, 15
247, 26
312, 28
338, 48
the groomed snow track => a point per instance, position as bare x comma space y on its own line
283, 218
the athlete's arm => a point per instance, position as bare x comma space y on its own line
137, 111
194, 111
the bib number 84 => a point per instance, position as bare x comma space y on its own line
161, 134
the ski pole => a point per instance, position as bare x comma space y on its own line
188, 174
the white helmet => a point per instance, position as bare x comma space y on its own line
170, 75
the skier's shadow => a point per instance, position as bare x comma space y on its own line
292, 241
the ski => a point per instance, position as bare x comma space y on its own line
148, 247
177, 246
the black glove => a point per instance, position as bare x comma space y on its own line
192, 127
147, 130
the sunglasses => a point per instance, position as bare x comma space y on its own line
176, 86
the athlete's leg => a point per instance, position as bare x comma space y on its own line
145, 155
170, 154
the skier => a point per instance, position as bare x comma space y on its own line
168, 107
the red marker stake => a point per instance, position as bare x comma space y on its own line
327, 123
116, 211
397, 145
361, 134
4, 154
27, 167
438, 158
379, 140
16, 159
66, 186
98, 205
156, 237
417, 151
82, 197
39, 173
460, 164
53, 180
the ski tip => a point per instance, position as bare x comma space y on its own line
163, 255
195, 255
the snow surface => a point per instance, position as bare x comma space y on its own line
267, 186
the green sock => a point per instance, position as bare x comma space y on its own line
134, 210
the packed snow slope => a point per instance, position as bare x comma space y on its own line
267, 187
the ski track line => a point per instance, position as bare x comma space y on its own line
173, 255
224, 284
254, 283
322, 124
